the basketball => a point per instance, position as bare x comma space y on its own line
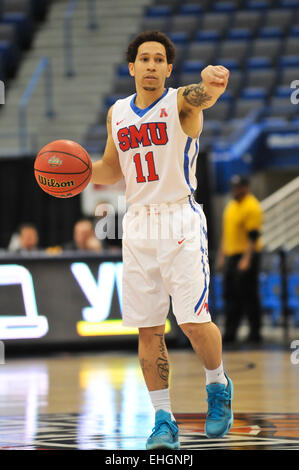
63, 168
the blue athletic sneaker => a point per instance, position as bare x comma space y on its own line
165, 433
220, 415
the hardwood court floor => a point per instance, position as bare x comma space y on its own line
99, 401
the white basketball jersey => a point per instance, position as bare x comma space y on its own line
157, 158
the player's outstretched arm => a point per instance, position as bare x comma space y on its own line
107, 170
196, 97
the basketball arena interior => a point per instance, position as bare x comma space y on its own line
69, 371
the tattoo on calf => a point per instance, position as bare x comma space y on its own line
196, 96
162, 361
143, 364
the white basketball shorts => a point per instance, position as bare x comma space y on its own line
165, 253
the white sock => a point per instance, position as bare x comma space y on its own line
161, 400
216, 375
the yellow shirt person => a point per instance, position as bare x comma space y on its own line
240, 219
239, 257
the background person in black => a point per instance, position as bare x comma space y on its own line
84, 238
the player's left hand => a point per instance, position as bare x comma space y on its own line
215, 75
244, 264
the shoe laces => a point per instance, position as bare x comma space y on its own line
216, 404
162, 427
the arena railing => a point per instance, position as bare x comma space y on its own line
69, 69
281, 218
281, 234
43, 68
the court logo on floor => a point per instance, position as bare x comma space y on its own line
251, 431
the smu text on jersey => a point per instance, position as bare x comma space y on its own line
147, 134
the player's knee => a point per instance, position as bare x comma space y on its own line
193, 330
151, 333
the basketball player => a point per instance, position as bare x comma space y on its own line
153, 139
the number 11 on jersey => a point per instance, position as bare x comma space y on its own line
152, 175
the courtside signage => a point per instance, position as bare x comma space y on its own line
98, 289
32, 325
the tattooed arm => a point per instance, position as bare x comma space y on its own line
107, 170
192, 99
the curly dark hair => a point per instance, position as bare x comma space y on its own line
146, 36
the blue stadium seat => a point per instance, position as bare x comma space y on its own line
293, 296
209, 35
291, 46
287, 75
294, 31
158, 11
266, 47
193, 66
155, 24
9, 49
259, 62
18, 12
265, 77
190, 9
282, 92
224, 6
270, 32
11, 57
217, 292
270, 292
248, 19
288, 4
186, 78
230, 63
239, 33
204, 51
220, 22
233, 51
281, 18
24, 27
179, 37
253, 93
123, 70
184, 24
258, 5
289, 60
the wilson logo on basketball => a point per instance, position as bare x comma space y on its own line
54, 161
52, 183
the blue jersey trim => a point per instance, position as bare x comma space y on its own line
141, 112
186, 163
195, 210
205, 287
196, 152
